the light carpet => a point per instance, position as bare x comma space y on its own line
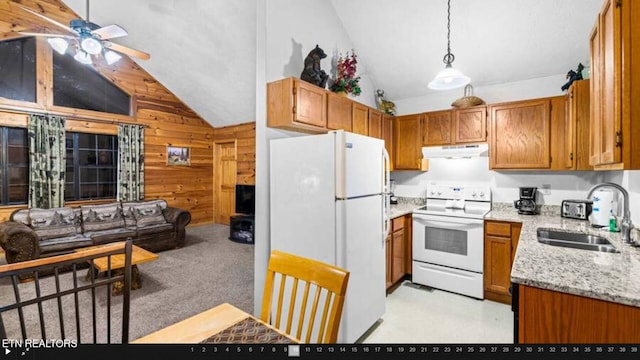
209, 270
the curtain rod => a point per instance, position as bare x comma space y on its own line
73, 117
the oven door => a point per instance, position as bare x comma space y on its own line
449, 241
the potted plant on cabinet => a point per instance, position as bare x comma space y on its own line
346, 81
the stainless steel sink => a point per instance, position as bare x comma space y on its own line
575, 240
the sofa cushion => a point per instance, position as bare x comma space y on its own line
53, 223
110, 235
131, 213
155, 229
101, 217
65, 243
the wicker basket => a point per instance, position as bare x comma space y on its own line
468, 99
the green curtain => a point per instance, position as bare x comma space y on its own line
47, 163
130, 162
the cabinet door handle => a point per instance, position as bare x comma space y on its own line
571, 156
618, 139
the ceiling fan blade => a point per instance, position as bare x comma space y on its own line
110, 32
58, 24
27, 33
126, 50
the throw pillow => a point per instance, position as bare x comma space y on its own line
102, 217
149, 214
53, 223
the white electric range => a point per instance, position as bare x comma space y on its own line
448, 237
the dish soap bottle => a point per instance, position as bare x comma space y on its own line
612, 222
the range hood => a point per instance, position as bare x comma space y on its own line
455, 151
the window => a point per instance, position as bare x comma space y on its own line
81, 87
14, 166
92, 164
18, 69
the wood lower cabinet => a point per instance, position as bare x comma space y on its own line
397, 244
520, 135
500, 243
407, 142
552, 317
296, 105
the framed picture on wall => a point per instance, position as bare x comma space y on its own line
178, 155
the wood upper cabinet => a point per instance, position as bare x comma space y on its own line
500, 243
407, 142
338, 112
576, 127
520, 135
387, 136
436, 128
470, 125
375, 123
615, 87
296, 105
360, 119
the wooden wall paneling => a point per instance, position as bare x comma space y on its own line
245, 134
169, 120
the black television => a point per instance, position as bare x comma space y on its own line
245, 199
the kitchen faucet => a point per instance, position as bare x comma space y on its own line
625, 227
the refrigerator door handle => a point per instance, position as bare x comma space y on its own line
387, 198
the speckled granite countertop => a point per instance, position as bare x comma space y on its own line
599, 275
405, 206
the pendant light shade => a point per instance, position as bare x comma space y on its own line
449, 78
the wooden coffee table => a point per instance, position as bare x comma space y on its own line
138, 256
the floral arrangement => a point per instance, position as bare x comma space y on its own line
346, 80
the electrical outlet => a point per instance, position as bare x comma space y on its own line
546, 189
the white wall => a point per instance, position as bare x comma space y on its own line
286, 31
491, 94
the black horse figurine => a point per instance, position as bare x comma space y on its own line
573, 76
312, 73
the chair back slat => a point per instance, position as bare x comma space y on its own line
292, 306
319, 319
52, 293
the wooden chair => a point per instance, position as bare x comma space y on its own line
327, 283
58, 304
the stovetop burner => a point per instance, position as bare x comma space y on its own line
454, 199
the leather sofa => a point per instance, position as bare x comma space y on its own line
34, 233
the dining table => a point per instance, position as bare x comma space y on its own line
224, 324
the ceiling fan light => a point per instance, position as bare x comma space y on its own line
91, 45
59, 44
449, 78
111, 56
83, 58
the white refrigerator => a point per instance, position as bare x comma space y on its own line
329, 201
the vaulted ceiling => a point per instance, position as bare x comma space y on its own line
204, 51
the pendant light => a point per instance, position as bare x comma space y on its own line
449, 78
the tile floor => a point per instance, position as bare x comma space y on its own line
417, 314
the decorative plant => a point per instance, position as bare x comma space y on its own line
346, 80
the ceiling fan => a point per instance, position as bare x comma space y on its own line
87, 38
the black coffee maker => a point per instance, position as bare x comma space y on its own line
527, 203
